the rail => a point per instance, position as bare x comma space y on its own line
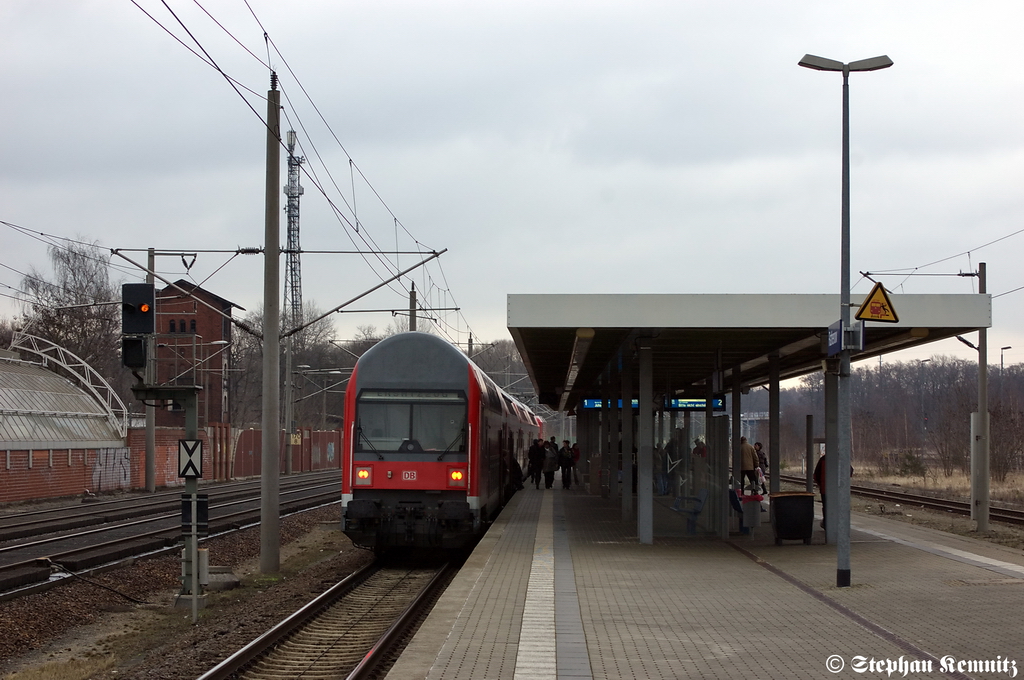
1008, 515
322, 612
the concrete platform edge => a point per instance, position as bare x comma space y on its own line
420, 654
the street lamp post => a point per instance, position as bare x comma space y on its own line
840, 507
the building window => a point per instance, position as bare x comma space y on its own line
192, 326
181, 326
172, 326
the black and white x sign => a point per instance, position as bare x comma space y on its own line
190, 457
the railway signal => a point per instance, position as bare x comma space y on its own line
138, 319
138, 309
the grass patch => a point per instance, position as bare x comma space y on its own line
73, 669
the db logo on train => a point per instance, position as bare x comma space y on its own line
409, 475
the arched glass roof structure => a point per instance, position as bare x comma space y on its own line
42, 410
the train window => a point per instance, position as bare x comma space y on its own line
411, 422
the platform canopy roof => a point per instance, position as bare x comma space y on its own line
570, 341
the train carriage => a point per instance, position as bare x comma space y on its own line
429, 446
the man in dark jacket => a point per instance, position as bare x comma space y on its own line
819, 478
535, 457
565, 462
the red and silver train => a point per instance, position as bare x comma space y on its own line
429, 445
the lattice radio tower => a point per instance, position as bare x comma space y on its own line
292, 290
293, 270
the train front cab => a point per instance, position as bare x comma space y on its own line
409, 472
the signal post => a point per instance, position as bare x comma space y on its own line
138, 325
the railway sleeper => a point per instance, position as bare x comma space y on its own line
14, 532
94, 558
21, 576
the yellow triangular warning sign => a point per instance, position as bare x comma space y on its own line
877, 307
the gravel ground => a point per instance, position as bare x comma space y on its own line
80, 630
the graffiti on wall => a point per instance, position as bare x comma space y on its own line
112, 470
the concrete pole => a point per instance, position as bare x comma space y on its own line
289, 403
981, 498
270, 504
151, 380
614, 447
774, 431
831, 444
685, 447
737, 432
608, 437
841, 501
809, 467
627, 439
645, 454
412, 307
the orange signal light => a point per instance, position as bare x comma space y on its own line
143, 307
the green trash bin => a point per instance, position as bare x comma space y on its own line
792, 516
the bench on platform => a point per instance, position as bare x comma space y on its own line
691, 507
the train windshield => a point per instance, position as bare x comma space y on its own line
411, 422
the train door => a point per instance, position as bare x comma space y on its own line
503, 483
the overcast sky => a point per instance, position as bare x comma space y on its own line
574, 147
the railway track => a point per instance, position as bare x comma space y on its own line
344, 633
15, 524
1000, 514
26, 565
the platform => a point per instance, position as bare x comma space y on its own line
560, 588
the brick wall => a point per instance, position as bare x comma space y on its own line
57, 473
319, 450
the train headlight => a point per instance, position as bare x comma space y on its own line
363, 476
456, 477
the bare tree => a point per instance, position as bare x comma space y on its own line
246, 378
79, 310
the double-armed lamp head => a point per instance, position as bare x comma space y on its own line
823, 64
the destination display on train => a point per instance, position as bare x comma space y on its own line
411, 395
670, 404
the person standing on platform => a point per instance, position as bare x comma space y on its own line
576, 463
748, 464
550, 464
565, 463
535, 456
762, 462
658, 462
515, 472
819, 478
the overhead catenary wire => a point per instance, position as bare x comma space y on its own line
909, 272
353, 167
372, 250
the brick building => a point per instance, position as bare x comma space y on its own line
193, 347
